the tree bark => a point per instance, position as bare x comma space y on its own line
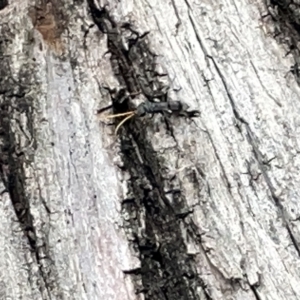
171, 207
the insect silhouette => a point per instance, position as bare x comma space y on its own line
147, 107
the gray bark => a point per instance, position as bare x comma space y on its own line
170, 207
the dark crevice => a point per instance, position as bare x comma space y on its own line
14, 179
227, 182
3, 4
293, 239
286, 19
250, 139
234, 109
16, 158
276, 199
167, 271
262, 168
255, 293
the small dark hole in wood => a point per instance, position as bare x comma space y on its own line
3, 4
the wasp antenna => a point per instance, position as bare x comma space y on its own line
119, 115
123, 121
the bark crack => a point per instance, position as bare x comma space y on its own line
167, 271
17, 147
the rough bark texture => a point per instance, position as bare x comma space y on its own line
172, 207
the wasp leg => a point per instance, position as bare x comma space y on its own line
123, 121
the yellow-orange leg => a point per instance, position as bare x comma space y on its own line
119, 115
123, 121
128, 114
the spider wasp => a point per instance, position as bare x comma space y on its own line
149, 108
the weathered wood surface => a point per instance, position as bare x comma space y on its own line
172, 208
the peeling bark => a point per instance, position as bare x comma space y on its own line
172, 207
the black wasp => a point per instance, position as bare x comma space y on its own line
147, 107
